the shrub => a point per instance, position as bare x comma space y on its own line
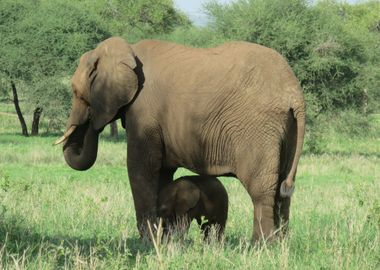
331, 46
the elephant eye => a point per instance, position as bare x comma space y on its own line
77, 94
84, 101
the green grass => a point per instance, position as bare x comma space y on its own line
54, 217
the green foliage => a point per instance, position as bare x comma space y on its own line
333, 47
41, 42
344, 132
314, 142
278, 24
53, 94
45, 37
141, 19
194, 36
12, 54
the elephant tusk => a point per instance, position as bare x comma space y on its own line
65, 136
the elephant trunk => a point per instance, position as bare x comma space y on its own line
81, 148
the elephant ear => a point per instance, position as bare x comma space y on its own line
188, 196
113, 83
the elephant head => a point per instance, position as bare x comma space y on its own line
103, 82
177, 199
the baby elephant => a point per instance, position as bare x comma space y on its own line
191, 197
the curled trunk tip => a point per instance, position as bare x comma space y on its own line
81, 147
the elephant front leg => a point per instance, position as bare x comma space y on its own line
146, 177
145, 187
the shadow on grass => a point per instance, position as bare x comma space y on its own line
109, 138
17, 239
55, 135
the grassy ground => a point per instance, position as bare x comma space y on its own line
54, 217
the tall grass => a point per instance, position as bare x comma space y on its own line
52, 217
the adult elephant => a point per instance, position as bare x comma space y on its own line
236, 109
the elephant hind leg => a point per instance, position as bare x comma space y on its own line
263, 192
281, 215
259, 172
282, 209
262, 187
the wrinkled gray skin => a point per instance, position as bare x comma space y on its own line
236, 110
194, 197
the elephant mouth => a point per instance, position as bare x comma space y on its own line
65, 136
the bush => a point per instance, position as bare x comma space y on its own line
41, 42
53, 94
350, 123
329, 127
194, 36
331, 46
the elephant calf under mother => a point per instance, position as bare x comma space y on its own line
236, 109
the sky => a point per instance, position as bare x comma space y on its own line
193, 8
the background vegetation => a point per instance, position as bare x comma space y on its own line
333, 47
53, 217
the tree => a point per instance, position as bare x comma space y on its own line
42, 40
40, 45
143, 18
333, 47
12, 56
24, 129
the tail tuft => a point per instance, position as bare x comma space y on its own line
285, 190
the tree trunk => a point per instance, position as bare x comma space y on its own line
36, 120
365, 101
114, 131
18, 110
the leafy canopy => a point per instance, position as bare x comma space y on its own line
333, 47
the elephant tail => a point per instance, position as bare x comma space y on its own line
287, 186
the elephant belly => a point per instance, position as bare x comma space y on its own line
215, 170
197, 163
185, 146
